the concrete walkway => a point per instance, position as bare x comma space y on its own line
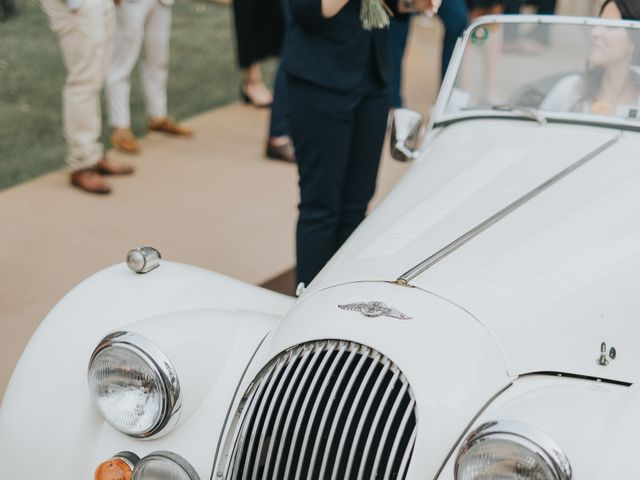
212, 201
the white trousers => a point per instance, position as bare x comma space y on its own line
86, 38
142, 25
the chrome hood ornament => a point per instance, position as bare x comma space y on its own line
375, 309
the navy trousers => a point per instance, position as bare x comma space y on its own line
338, 138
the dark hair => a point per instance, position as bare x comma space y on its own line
629, 10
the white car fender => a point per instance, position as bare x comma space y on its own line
221, 323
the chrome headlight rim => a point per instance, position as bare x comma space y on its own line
159, 363
525, 436
172, 457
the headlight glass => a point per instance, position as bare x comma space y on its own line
133, 384
164, 465
511, 451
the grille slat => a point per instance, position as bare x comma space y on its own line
327, 409
404, 464
284, 379
247, 413
290, 413
387, 427
351, 414
399, 435
316, 406
303, 410
376, 423
258, 420
324, 410
365, 413
306, 362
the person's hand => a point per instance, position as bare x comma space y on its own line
429, 7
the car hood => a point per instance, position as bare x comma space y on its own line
552, 280
451, 361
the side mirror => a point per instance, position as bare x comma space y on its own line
406, 126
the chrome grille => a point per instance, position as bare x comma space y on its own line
324, 410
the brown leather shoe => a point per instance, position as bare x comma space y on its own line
167, 125
89, 180
283, 152
123, 139
109, 167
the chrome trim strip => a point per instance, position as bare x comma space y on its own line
444, 252
525, 436
156, 359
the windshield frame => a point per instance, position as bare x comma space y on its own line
440, 118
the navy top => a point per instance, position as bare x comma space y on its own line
334, 52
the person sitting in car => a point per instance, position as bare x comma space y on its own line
611, 85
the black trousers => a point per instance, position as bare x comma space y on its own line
338, 139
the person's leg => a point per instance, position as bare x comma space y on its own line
85, 41
130, 20
321, 137
279, 146
155, 62
455, 18
369, 127
398, 34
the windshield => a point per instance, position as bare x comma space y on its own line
581, 70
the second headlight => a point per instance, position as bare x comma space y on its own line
134, 385
511, 451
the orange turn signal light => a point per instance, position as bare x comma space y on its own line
119, 467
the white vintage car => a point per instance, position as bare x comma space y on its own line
482, 323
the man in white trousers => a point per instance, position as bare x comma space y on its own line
85, 30
141, 26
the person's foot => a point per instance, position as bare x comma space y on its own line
109, 167
90, 180
123, 139
256, 93
167, 125
281, 149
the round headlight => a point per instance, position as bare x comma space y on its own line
511, 451
134, 385
164, 465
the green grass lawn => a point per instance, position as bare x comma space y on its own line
203, 75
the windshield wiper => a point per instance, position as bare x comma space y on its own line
531, 113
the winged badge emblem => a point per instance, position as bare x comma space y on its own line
375, 309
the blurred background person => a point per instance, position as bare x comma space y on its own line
141, 25
8, 9
537, 39
85, 31
338, 85
454, 16
260, 33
